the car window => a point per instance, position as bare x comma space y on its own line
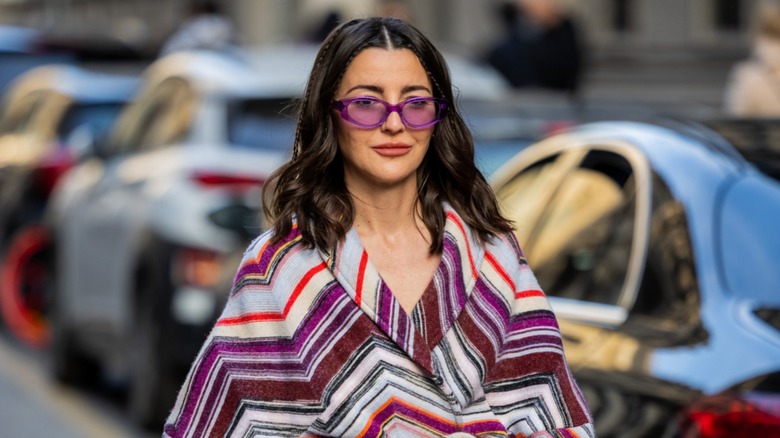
669, 298
261, 123
90, 119
158, 118
574, 216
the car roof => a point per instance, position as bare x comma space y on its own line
78, 83
269, 73
281, 71
653, 138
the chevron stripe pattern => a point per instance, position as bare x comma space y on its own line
313, 343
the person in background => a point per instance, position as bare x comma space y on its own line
206, 27
394, 8
511, 55
753, 87
390, 296
330, 21
541, 47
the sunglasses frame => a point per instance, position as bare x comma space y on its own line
341, 106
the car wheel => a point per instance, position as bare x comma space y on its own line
153, 382
26, 284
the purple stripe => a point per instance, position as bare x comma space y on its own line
486, 426
267, 258
265, 348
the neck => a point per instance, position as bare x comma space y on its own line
386, 212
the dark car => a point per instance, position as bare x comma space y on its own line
49, 114
659, 247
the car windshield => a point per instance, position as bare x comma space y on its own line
93, 119
262, 124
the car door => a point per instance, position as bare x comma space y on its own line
105, 226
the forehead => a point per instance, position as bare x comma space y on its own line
385, 68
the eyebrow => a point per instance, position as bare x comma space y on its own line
376, 89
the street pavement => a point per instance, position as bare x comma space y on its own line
31, 406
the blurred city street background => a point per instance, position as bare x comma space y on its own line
132, 150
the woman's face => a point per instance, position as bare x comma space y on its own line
388, 155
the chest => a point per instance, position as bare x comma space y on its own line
406, 266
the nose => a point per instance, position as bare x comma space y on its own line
393, 123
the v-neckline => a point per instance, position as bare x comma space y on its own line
412, 332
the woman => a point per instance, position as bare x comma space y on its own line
753, 88
390, 297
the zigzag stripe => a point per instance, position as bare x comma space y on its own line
276, 316
260, 269
315, 343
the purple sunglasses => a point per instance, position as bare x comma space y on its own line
369, 112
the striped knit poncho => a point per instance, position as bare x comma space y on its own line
315, 344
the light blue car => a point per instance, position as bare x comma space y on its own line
659, 247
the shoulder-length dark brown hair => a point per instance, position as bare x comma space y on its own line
310, 188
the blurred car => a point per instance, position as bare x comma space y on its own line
49, 113
148, 228
658, 246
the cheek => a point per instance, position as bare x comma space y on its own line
349, 139
426, 139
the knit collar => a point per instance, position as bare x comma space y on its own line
351, 266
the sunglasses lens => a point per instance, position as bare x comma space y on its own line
420, 112
366, 112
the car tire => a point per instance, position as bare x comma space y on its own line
153, 380
26, 285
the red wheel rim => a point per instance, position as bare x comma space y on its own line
22, 284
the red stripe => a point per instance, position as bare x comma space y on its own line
361, 274
275, 316
500, 270
530, 293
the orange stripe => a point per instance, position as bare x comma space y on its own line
572, 433
275, 316
402, 403
361, 274
457, 222
265, 245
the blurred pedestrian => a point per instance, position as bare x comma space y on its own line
390, 297
753, 88
329, 22
541, 47
511, 54
393, 8
206, 27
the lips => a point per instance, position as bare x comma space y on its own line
392, 149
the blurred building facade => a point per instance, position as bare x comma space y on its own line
465, 25
636, 50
